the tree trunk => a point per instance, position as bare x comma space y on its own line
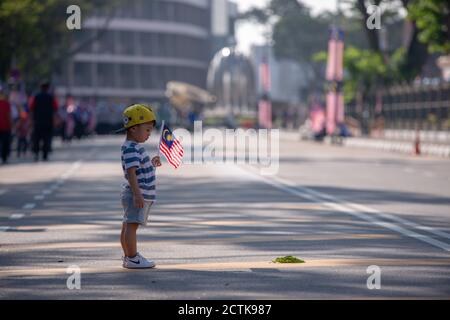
416, 53
372, 35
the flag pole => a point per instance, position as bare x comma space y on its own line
160, 137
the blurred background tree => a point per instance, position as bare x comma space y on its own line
296, 34
432, 18
35, 38
372, 58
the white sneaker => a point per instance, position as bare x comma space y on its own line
138, 262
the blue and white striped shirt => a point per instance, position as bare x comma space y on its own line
134, 155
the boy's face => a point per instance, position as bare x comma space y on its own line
141, 132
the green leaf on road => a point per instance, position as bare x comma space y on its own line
288, 259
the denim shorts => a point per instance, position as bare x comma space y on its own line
133, 214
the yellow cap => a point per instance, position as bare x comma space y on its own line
136, 114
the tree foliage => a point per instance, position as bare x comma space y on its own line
409, 55
365, 69
296, 33
432, 18
34, 35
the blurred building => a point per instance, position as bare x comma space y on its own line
146, 44
140, 48
231, 79
288, 83
223, 17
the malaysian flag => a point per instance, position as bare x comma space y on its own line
264, 72
170, 147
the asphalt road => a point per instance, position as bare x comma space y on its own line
217, 227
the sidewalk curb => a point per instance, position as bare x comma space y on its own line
400, 146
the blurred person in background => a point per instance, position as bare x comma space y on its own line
67, 115
5, 126
92, 123
23, 133
81, 120
318, 120
43, 108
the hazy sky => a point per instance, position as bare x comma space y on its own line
249, 33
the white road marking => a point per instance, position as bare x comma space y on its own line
346, 207
39, 197
367, 209
3, 191
17, 216
71, 170
2, 228
364, 209
29, 206
401, 220
47, 192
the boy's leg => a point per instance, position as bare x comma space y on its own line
122, 239
130, 239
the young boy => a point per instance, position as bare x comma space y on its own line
138, 192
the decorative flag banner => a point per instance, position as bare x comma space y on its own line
335, 62
264, 104
264, 72
334, 75
265, 113
170, 147
331, 112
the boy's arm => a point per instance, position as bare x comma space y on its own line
137, 195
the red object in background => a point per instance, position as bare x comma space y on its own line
417, 144
5, 115
331, 112
334, 74
331, 62
265, 105
339, 72
265, 114
317, 116
265, 75
335, 61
